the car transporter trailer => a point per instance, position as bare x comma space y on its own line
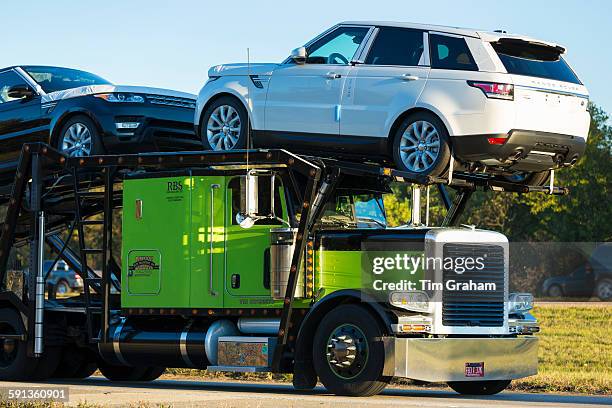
194, 290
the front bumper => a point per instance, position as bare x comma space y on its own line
524, 150
160, 127
447, 359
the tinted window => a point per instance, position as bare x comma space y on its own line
522, 58
7, 80
337, 47
396, 46
53, 79
450, 53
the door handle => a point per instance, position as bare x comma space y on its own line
333, 75
409, 77
213, 187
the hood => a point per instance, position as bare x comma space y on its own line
97, 89
241, 69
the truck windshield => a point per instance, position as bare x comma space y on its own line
53, 79
354, 211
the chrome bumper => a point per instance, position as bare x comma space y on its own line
454, 359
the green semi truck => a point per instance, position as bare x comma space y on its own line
256, 261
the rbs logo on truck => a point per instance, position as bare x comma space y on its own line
175, 187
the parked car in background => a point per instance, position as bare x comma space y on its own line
594, 278
82, 114
411, 94
62, 278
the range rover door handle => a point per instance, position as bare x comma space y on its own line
333, 75
409, 77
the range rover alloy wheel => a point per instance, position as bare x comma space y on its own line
79, 137
420, 145
224, 125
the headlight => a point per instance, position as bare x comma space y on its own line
520, 302
121, 97
414, 301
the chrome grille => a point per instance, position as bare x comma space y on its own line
475, 308
171, 101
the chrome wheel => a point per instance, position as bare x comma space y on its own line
347, 351
419, 146
77, 140
223, 128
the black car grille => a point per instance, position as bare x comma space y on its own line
171, 101
474, 308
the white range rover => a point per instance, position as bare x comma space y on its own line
411, 94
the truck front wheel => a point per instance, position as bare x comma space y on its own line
348, 353
479, 387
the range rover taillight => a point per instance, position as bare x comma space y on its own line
494, 90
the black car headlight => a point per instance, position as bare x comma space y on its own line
121, 97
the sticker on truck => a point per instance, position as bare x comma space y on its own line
474, 369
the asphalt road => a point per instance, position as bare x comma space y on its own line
191, 393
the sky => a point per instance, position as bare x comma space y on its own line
171, 44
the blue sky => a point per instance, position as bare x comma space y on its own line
172, 44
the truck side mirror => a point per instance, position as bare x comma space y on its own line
249, 201
250, 208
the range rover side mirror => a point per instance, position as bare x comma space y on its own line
299, 55
21, 91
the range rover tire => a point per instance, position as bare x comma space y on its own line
479, 387
421, 145
348, 354
14, 363
225, 125
79, 136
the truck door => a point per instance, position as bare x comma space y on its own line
247, 276
207, 241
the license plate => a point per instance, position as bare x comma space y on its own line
474, 369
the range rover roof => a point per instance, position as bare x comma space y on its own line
489, 36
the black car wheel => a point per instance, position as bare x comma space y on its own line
479, 387
555, 291
348, 354
225, 125
420, 145
79, 137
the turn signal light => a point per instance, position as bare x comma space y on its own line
494, 90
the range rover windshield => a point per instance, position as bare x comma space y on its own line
53, 79
354, 211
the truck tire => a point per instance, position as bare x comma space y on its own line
348, 354
125, 373
14, 362
121, 373
479, 387
152, 373
75, 363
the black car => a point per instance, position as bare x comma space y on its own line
83, 114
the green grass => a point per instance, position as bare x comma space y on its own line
575, 350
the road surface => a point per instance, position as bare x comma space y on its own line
192, 393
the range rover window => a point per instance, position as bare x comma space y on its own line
523, 58
338, 47
9, 79
450, 53
396, 46
53, 79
